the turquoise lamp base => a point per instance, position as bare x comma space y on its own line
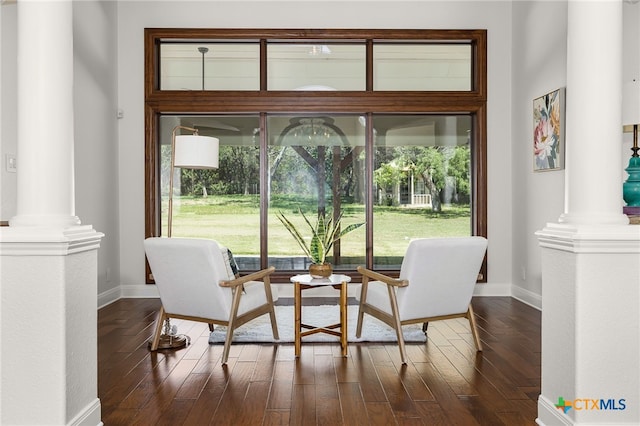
631, 191
631, 188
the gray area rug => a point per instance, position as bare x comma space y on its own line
373, 330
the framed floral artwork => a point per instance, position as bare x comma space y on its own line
548, 131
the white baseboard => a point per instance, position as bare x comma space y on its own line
527, 297
107, 297
286, 290
90, 416
549, 415
489, 289
139, 291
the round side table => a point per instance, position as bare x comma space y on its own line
304, 282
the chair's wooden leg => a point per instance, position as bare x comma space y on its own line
232, 324
343, 318
363, 296
274, 323
227, 346
159, 324
474, 329
425, 325
211, 326
397, 323
272, 312
297, 302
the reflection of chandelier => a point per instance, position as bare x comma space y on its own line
319, 49
312, 131
311, 128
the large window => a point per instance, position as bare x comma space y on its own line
381, 127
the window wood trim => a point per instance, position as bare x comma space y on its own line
161, 102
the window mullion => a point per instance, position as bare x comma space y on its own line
369, 66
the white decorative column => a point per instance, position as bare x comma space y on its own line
590, 258
48, 261
45, 115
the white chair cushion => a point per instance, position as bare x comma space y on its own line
377, 296
441, 273
254, 296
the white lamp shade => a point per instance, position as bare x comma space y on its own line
631, 103
196, 152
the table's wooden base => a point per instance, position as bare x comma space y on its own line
328, 329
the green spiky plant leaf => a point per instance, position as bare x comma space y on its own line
324, 233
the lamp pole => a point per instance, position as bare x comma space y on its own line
173, 162
631, 187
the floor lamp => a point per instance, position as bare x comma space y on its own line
630, 121
187, 152
190, 152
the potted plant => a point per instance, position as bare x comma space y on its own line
324, 232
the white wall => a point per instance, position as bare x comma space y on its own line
96, 131
134, 16
95, 126
8, 118
630, 64
539, 66
110, 166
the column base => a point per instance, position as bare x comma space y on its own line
550, 415
49, 221
593, 219
90, 416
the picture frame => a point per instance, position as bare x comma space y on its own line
548, 131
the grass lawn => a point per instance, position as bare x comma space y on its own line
234, 221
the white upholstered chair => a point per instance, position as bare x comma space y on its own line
194, 284
436, 282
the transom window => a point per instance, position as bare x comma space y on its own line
382, 127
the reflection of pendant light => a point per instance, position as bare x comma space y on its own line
203, 50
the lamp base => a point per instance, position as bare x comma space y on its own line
633, 213
631, 187
172, 341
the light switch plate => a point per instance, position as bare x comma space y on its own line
11, 163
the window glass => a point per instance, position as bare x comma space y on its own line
316, 165
316, 66
422, 182
425, 67
222, 204
209, 66
364, 151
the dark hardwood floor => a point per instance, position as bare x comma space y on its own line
445, 382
